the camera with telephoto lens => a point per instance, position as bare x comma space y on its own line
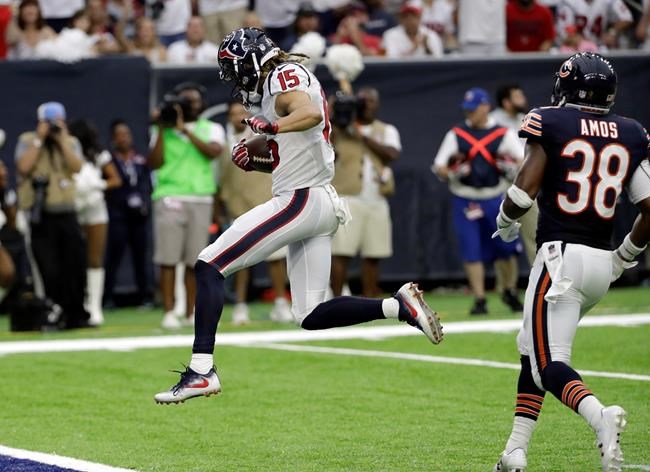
168, 114
346, 108
39, 184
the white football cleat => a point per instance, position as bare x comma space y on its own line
281, 312
415, 311
513, 461
608, 438
240, 314
191, 385
171, 321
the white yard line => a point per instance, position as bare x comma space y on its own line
427, 358
294, 335
636, 466
59, 461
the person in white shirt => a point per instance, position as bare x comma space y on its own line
58, 13
600, 21
195, 49
172, 20
482, 27
222, 16
365, 150
410, 38
438, 15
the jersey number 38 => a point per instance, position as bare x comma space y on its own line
590, 194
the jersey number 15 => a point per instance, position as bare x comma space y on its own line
588, 193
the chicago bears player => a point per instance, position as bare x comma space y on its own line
579, 158
303, 214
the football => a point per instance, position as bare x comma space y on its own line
260, 154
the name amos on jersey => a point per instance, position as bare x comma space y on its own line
597, 128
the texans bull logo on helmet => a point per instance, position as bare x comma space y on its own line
232, 49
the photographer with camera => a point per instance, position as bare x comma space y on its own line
46, 160
365, 147
183, 148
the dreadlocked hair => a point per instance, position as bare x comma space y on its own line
281, 58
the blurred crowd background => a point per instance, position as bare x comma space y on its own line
189, 31
119, 173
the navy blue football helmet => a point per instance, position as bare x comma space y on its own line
585, 79
241, 56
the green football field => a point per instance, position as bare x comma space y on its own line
358, 405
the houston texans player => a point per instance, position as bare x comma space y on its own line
579, 158
303, 214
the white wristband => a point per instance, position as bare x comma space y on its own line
628, 250
519, 197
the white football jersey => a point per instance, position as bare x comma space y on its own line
591, 17
303, 158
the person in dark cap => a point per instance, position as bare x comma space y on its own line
307, 21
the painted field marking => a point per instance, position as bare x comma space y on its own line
294, 335
59, 461
428, 358
636, 466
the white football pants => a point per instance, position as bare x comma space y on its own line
549, 327
303, 220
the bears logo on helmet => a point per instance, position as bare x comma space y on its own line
566, 69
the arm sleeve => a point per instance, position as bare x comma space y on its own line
21, 146
638, 188
512, 146
217, 134
103, 158
448, 147
392, 138
289, 77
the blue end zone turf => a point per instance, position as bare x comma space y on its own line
11, 464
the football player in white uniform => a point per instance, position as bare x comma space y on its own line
600, 21
303, 214
571, 151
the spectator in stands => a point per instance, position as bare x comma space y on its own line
144, 43
277, 17
129, 211
601, 22
482, 27
574, 42
59, 14
351, 31
182, 153
74, 43
252, 20
365, 149
643, 27
468, 159
512, 106
307, 21
379, 20
195, 49
240, 192
438, 15
529, 26
5, 20
222, 17
171, 17
410, 38
101, 27
46, 161
97, 174
27, 30
125, 12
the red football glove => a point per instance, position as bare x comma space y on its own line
262, 126
240, 156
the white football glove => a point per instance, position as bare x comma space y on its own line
619, 265
623, 257
507, 228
